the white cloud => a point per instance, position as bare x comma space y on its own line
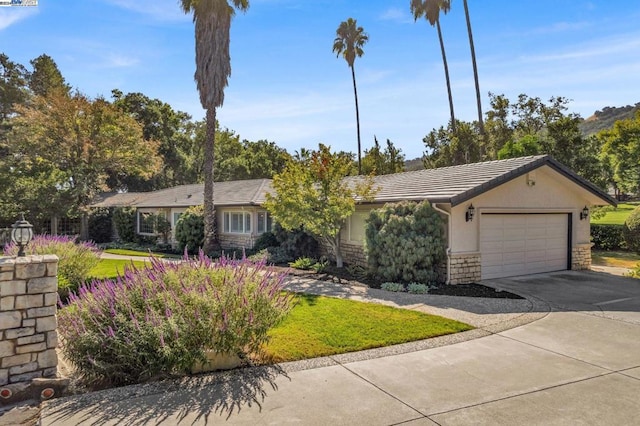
11, 15
117, 60
396, 15
164, 10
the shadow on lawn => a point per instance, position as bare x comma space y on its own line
201, 399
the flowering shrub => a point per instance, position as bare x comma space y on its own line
161, 319
75, 259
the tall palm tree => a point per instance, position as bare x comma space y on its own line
350, 38
475, 68
430, 9
212, 19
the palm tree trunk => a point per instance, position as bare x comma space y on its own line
211, 243
446, 75
475, 68
355, 94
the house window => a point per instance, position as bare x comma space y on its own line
176, 217
146, 223
357, 225
237, 222
264, 222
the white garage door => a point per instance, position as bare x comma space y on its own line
520, 244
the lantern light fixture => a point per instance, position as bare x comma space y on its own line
469, 213
21, 234
584, 214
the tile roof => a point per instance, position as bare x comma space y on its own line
239, 192
454, 185
457, 184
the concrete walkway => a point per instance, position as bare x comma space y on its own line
576, 360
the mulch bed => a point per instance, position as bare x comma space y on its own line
342, 276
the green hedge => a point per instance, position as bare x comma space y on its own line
607, 237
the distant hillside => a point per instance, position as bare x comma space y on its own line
604, 119
415, 164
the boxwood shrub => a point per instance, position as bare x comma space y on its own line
607, 237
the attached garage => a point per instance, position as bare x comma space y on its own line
504, 218
521, 244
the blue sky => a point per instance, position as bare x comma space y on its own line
288, 87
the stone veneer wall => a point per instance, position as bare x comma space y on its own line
465, 268
232, 241
581, 256
28, 336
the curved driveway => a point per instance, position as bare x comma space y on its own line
577, 362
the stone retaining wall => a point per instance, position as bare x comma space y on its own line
28, 336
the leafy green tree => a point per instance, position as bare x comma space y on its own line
379, 162
527, 145
314, 194
212, 20
46, 77
430, 10
174, 133
349, 42
65, 147
13, 91
621, 150
449, 147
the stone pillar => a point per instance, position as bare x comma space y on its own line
28, 336
581, 257
465, 268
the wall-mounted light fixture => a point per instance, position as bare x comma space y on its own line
470, 212
21, 234
584, 214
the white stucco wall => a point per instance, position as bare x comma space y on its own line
552, 193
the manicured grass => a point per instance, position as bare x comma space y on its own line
620, 259
617, 216
110, 268
320, 326
127, 252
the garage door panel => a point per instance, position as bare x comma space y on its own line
518, 244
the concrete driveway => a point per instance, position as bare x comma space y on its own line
579, 363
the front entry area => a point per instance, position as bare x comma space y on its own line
522, 244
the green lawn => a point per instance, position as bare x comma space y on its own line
127, 252
321, 326
617, 216
110, 268
621, 259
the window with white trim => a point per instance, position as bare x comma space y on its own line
236, 222
146, 223
265, 223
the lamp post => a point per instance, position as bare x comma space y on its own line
21, 234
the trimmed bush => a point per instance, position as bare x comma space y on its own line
631, 230
100, 226
125, 221
296, 243
75, 259
190, 229
265, 240
161, 320
405, 243
416, 288
395, 287
607, 237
